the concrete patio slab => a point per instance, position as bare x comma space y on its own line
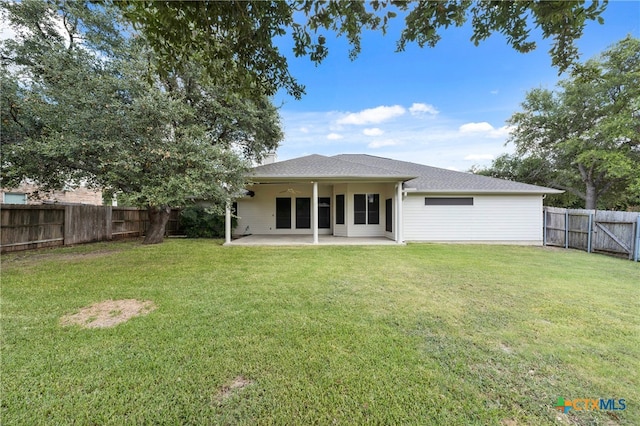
298, 240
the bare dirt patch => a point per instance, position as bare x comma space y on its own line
63, 254
506, 348
229, 389
108, 313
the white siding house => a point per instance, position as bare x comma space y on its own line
515, 219
366, 196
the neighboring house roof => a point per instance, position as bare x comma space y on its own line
417, 177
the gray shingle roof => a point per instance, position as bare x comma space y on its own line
321, 167
434, 179
418, 177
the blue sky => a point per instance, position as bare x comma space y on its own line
444, 106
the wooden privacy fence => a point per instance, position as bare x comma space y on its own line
25, 227
593, 230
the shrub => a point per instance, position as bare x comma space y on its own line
197, 222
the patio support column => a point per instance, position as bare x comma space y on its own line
399, 213
227, 223
314, 212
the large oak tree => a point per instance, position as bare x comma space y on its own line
584, 136
242, 34
83, 103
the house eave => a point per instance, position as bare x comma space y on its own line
482, 191
327, 179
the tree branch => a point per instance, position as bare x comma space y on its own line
605, 188
65, 23
600, 178
583, 172
574, 191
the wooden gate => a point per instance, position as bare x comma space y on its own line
593, 230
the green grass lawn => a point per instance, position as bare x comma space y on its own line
417, 334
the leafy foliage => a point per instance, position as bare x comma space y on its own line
200, 222
239, 36
86, 103
583, 137
533, 170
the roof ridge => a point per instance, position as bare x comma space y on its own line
425, 166
361, 164
405, 162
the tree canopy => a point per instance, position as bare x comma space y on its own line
584, 136
241, 35
83, 103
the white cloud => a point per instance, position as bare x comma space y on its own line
494, 92
476, 127
502, 132
479, 157
372, 115
382, 143
486, 129
374, 131
438, 141
420, 108
304, 129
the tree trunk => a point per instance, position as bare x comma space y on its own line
591, 197
158, 218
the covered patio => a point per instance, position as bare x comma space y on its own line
299, 240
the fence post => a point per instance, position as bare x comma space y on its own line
637, 247
589, 230
109, 223
66, 230
544, 226
566, 229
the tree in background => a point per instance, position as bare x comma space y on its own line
83, 103
532, 170
241, 34
583, 137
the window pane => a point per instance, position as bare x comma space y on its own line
388, 215
373, 207
303, 213
359, 209
283, 213
340, 209
15, 198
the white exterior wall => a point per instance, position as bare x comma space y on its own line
257, 214
366, 230
515, 219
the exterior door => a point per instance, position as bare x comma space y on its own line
303, 213
283, 213
324, 212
